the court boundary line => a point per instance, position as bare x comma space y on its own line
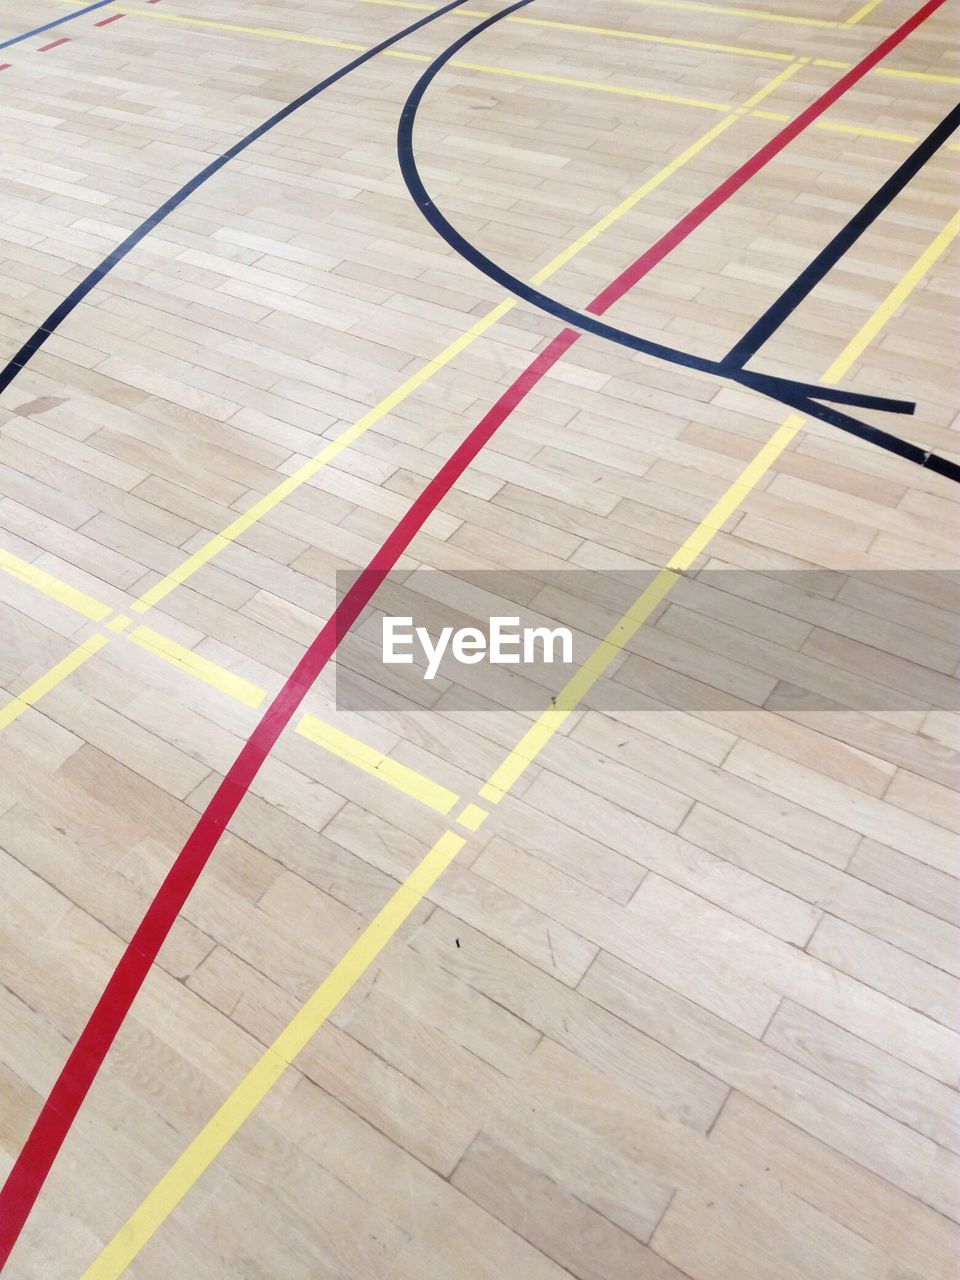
222, 540
63, 1103
812, 400
745, 51
36, 1158
783, 307
368, 759
281, 1053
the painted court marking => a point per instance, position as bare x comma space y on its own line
235, 530
67, 1095
219, 542
809, 399
48, 26
251, 1091
379, 764
608, 32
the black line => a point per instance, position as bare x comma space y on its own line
90, 281
766, 383
827, 258
875, 435
805, 397
57, 22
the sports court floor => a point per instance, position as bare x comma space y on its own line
641, 313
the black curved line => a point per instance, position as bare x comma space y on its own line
804, 397
93, 278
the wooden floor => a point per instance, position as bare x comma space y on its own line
535, 990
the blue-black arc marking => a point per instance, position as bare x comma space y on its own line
803, 397
57, 22
93, 278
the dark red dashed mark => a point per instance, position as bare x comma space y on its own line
45, 48
105, 22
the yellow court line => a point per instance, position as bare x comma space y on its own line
283, 490
743, 51
244, 522
398, 776
540, 733
280, 492
49, 680
760, 15
201, 668
271, 32
763, 15
251, 1091
211, 1140
595, 86
378, 763
79, 601
933, 76
862, 13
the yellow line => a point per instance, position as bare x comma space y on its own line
271, 32
416, 380
761, 15
736, 50
680, 42
933, 76
211, 1140
246, 1097
399, 776
26, 572
49, 680
277, 495
546, 725
283, 490
894, 299
705, 104
833, 126
472, 817
378, 763
486, 69
862, 13
202, 668
543, 729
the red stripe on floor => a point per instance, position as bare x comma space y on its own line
56, 1118
730, 186
105, 22
45, 48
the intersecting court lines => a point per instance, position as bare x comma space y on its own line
533, 445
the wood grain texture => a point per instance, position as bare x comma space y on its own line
685, 1006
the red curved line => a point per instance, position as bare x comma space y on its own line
32, 1166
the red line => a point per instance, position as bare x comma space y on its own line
53, 1124
47, 47
105, 22
730, 186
